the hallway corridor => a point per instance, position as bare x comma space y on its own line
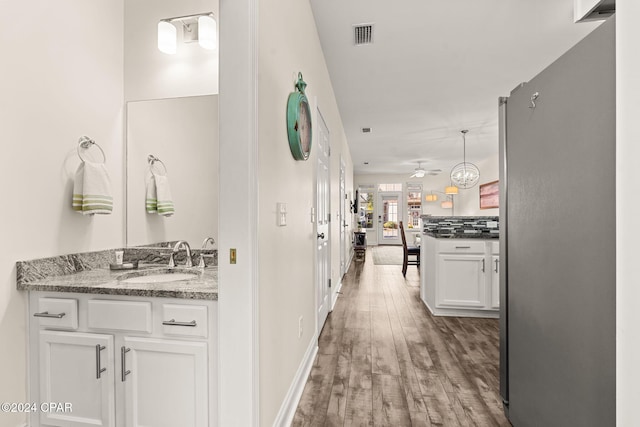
383, 360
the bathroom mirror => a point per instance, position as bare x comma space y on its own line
183, 134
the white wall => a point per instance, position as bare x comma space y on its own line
289, 44
64, 80
151, 74
468, 201
627, 208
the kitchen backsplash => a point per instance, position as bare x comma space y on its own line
447, 225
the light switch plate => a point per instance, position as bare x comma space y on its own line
281, 214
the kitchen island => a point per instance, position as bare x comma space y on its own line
459, 269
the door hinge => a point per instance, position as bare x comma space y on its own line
328, 217
329, 282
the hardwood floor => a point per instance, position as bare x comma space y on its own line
383, 360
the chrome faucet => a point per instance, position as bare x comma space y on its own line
176, 249
201, 264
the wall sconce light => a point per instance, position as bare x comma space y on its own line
167, 37
201, 27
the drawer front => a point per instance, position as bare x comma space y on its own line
461, 246
185, 320
495, 247
119, 315
61, 313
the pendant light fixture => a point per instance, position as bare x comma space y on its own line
451, 189
465, 175
447, 204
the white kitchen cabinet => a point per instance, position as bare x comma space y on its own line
461, 281
127, 361
77, 368
457, 277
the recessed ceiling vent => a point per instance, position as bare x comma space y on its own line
363, 34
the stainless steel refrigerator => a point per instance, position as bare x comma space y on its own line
557, 213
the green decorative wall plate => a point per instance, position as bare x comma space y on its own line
299, 122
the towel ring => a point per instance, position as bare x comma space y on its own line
153, 160
85, 142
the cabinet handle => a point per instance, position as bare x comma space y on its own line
47, 314
123, 361
496, 270
483, 265
173, 322
99, 369
463, 247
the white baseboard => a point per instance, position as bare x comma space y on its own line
351, 255
290, 403
334, 298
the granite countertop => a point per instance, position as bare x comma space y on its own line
105, 281
446, 234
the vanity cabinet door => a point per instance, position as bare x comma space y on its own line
166, 384
77, 369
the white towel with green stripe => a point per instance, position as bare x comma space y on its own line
92, 189
158, 195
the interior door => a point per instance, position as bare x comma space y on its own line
343, 220
323, 208
389, 217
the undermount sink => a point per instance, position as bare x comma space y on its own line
159, 276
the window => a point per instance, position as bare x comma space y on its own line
414, 206
365, 206
390, 187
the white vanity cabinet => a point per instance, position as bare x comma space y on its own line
458, 277
123, 360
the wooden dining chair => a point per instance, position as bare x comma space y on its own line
409, 251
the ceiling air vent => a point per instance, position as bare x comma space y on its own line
363, 34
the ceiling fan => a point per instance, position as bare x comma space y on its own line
420, 172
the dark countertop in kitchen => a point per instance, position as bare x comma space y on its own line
452, 235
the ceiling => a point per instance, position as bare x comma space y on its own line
433, 69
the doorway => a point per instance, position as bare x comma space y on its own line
389, 217
323, 209
343, 220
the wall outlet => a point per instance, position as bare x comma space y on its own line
300, 327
